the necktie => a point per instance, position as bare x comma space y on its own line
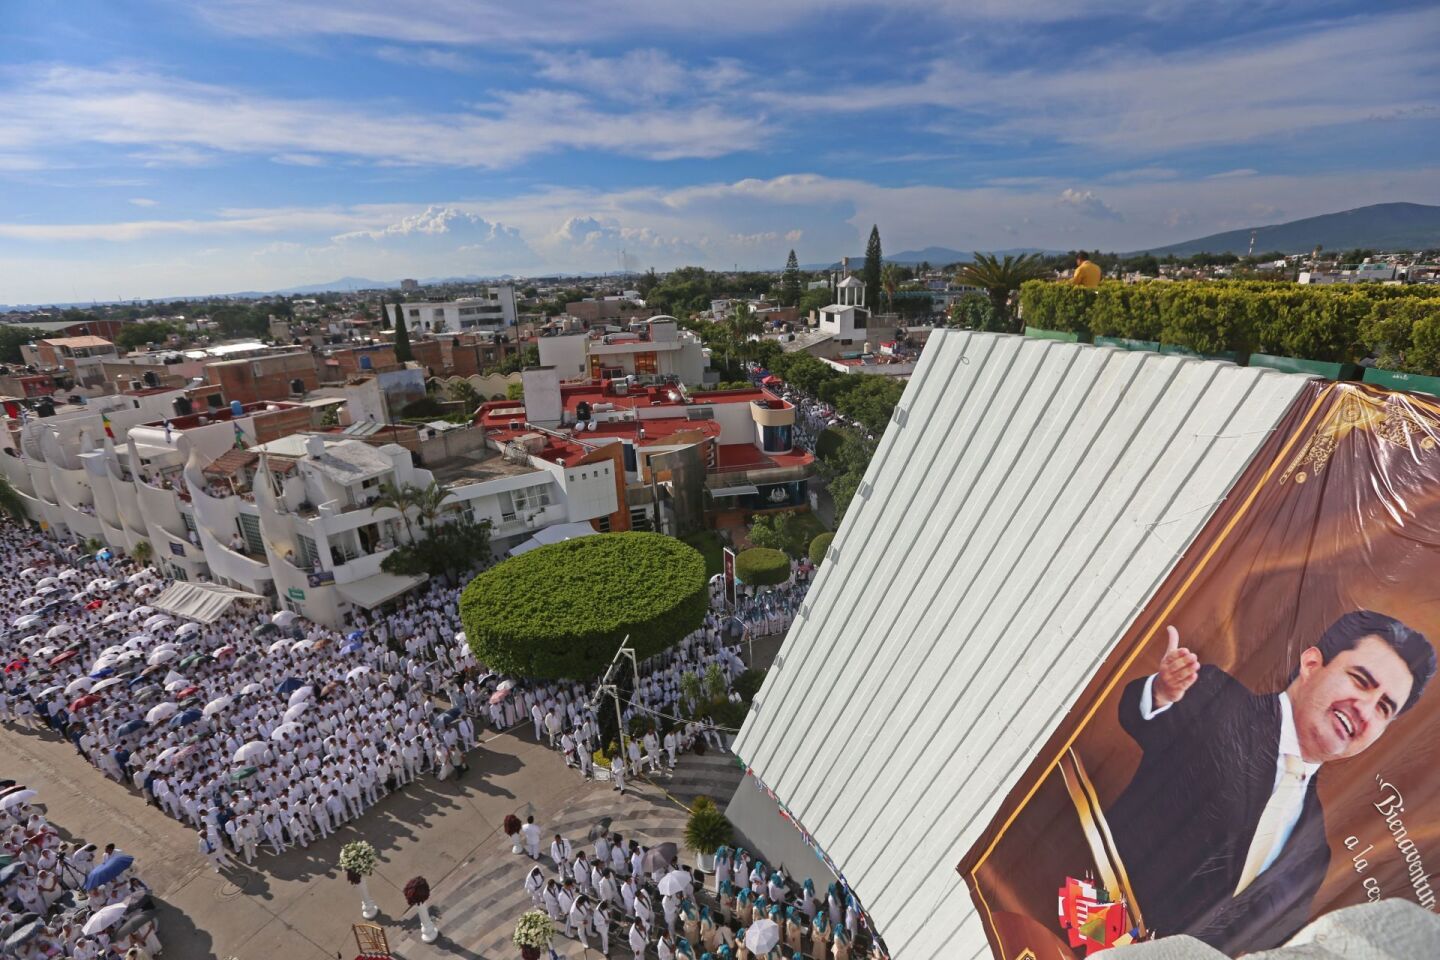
1289, 793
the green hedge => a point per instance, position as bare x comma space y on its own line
762, 567
819, 546
562, 610
1336, 323
828, 443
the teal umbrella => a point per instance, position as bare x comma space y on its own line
244, 773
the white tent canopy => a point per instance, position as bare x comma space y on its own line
553, 534
205, 602
370, 592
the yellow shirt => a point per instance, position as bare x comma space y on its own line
1087, 275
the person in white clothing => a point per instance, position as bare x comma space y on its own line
531, 834
214, 851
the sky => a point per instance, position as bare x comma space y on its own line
155, 148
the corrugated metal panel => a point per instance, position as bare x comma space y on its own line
1026, 501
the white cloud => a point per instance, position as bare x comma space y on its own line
427, 57
1232, 174
161, 120
1089, 204
299, 159
143, 201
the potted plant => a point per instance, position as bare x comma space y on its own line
417, 892
533, 933
706, 831
358, 859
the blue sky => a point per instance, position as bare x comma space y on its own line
166, 147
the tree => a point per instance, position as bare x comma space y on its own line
562, 610
787, 530
403, 353
819, 547
974, 311
401, 498
449, 549
790, 282
1001, 278
11, 339
744, 325
428, 502
463, 391
143, 552
873, 263
12, 504
762, 567
890, 282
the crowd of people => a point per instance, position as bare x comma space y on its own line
620, 889
67, 899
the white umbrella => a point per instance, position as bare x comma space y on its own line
68, 574
167, 753
159, 620
29, 571
138, 641
284, 618
28, 620
250, 688
504, 685
218, 704
105, 661
112, 617
161, 711
59, 630
79, 596
676, 882
47, 582
172, 685
105, 918
145, 589
302, 645
460, 636
31, 601
141, 575
130, 655
78, 684
171, 676
95, 584
762, 936
253, 750
139, 612
285, 730
363, 668
30, 639
45, 651
162, 656
296, 711
279, 645
102, 586
303, 693
107, 683
16, 798
185, 629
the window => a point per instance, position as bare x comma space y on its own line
776, 439
513, 503
415, 314
189, 521
645, 362
308, 553
250, 530
700, 413
603, 523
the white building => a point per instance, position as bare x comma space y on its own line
847, 318
293, 519
653, 348
493, 310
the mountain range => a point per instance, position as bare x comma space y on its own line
1380, 226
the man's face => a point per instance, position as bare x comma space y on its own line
1343, 706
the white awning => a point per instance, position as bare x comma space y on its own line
373, 591
553, 534
205, 602
734, 491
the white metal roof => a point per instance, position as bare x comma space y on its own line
1027, 498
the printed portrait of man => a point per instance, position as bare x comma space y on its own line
1220, 830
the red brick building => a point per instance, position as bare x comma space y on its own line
264, 378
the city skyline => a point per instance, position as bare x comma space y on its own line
163, 148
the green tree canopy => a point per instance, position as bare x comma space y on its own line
1001, 278
762, 567
11, 339
819, 547
790, 281
403, 353
561, 611
874, 261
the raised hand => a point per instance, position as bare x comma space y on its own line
1178, 671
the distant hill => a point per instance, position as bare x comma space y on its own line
1380, 226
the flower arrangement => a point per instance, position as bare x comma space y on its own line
417, 891
535, 930
357, 859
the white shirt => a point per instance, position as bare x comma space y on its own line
1289, 745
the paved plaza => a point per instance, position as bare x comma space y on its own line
298, 906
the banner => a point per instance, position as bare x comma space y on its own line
1260, 746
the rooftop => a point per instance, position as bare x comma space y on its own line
77, 343
476, 467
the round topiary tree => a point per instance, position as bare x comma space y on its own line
819, 547
560, 611
762, 567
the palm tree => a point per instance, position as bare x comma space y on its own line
890, 282
401, 498
143, 552
1000, 278
743, 325
11, 503
428, 502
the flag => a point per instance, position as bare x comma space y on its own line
239, 438
167, 429
105, 422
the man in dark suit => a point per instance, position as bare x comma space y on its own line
1220, 830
